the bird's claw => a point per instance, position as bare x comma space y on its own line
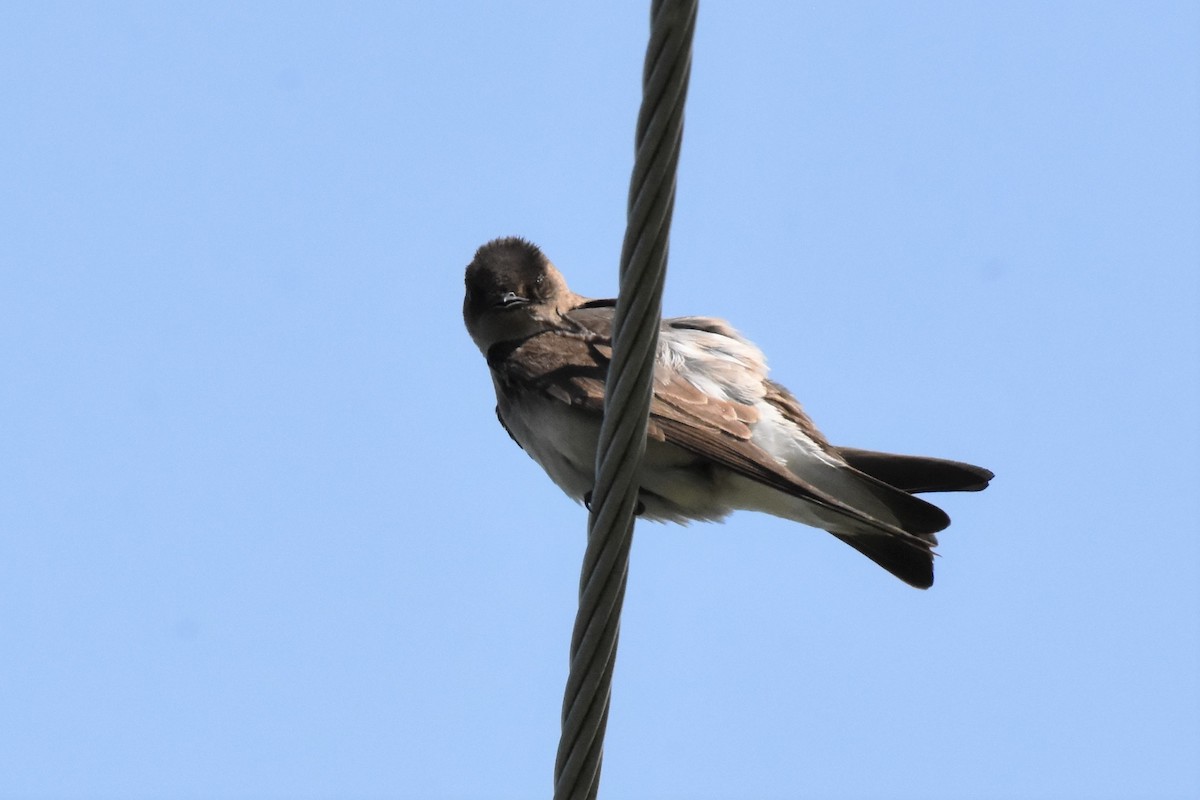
637, 512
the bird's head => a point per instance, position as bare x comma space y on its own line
512, 291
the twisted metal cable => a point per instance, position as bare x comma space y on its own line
628, 391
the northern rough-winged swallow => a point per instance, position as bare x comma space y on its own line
722, 436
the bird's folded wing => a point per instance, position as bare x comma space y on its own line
571, 367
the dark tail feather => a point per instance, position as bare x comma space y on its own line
908, 562
917, 473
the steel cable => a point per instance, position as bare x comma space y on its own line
629, 388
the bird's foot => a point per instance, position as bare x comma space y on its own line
637, 512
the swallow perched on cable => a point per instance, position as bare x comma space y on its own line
722, 436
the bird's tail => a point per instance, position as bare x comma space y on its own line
915, 474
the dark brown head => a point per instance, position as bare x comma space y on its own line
512, 291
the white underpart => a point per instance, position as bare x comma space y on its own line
726, 366
733, 369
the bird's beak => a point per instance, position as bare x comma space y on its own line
510, 299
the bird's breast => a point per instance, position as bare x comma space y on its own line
676, 485
561, 439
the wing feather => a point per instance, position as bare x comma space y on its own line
570, 366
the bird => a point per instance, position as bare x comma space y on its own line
721, 435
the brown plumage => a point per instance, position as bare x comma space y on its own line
721, 435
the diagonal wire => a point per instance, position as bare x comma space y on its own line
627, 399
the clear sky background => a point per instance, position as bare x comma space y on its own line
261, 536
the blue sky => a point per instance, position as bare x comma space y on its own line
261, 536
